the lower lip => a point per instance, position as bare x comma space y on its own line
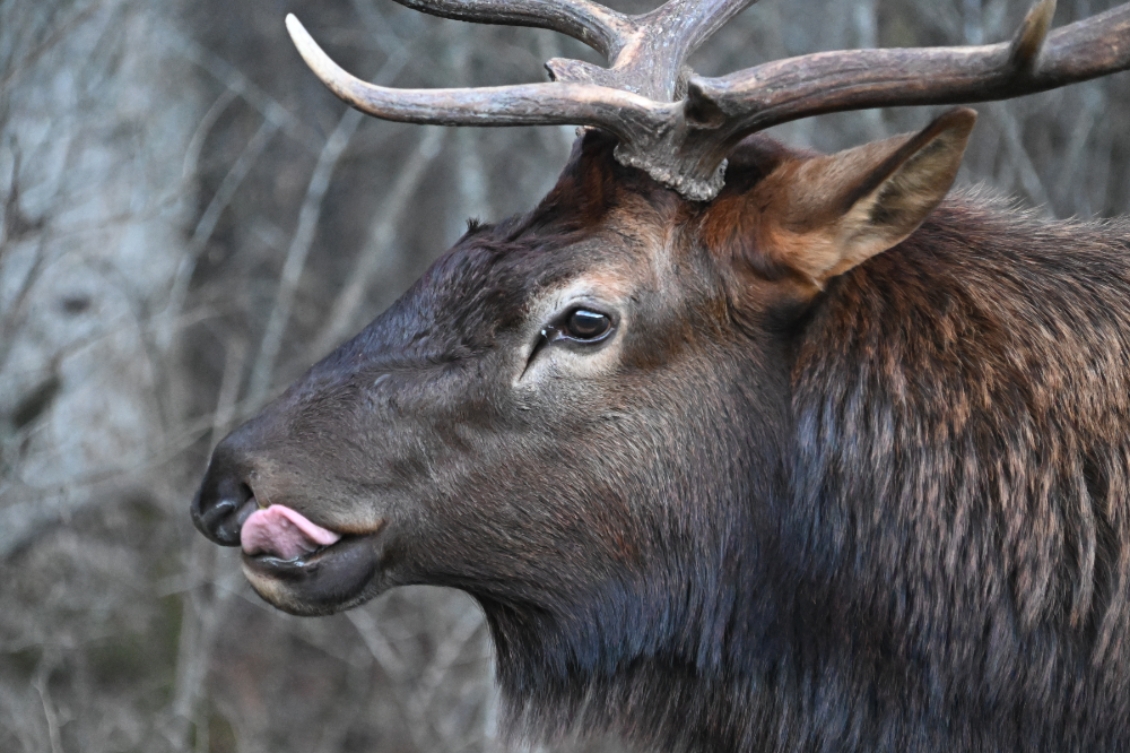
322, 580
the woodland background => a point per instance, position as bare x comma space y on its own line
189, 220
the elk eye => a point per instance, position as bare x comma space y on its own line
586, 326
576, 327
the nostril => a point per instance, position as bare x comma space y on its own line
214, 515
221, 506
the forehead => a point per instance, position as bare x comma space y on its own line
625, 251
494, 278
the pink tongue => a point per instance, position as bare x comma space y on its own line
281, 532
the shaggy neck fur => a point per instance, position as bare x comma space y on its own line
947, 565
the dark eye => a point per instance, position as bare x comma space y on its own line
579, 327
585, 325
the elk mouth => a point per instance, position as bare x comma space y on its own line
303, 568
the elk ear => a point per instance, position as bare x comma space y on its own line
832, 213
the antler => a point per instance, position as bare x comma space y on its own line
679, 127
638, 98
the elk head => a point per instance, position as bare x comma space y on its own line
559, 383
581, 416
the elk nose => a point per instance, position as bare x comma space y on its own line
225, 499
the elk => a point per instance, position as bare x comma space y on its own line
739, 448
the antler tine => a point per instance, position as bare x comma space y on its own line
619, 112
757, 98
1031, 35
654, 48
689, 23
601, 28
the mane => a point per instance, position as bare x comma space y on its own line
948, 565
961, 492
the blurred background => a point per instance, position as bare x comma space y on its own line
188, 220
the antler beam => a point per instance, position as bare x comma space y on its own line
620, 112
679, 127
1034, 61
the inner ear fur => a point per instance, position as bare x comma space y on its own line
821, 216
